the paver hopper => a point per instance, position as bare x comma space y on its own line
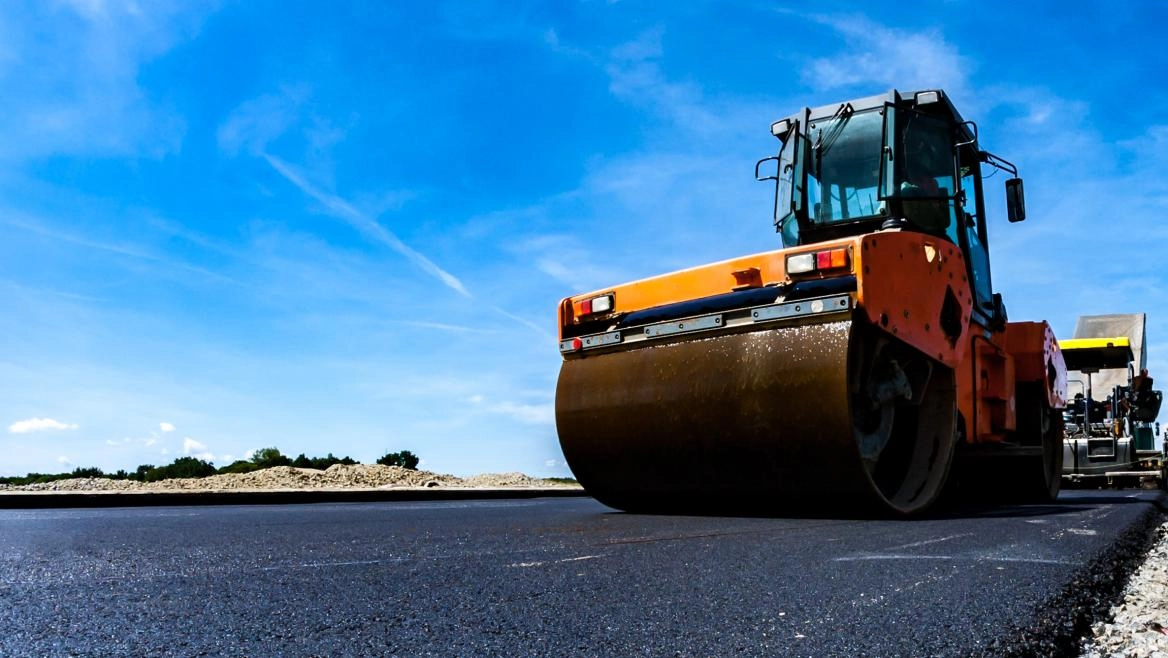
1110, 419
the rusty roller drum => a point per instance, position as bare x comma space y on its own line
835, 416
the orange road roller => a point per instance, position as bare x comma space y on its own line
864, 368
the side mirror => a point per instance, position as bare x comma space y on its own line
1015, 200
998, 317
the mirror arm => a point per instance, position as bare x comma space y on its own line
998, 163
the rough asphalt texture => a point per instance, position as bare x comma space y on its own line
557, 577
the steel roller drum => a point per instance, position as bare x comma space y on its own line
748, 422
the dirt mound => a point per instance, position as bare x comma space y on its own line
337, 476
504, 480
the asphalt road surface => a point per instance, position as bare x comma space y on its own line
551, 577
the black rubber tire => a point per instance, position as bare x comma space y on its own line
994, 475
1035, 479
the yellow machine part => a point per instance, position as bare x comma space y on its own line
772, 419
1097, 353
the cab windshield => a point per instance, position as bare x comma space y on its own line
843, 172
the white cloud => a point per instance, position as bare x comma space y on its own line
132, 251
64, 461
191, 445
77, 78
195, 448
874, 54
569, 260
39, 425
635, 76
166, 427
258, 122
528, 414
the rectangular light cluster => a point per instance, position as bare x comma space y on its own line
818, 261
594, 305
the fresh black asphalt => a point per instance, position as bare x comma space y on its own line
554, 577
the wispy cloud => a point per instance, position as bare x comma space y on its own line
367, 226
39, 425
636, 77
146, 441
258, 122
76, 70
125, 249
443, 326
874, 54
530, 414
568, 259
540, 329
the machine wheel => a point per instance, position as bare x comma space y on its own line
999, 474
1035, 479
904, 414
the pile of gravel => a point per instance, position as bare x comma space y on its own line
1139, 623
337, 476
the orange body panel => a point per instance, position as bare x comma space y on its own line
1024, 352
905, 280
1038, 358
986, 383
912, 285
694, 283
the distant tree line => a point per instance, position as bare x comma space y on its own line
193, 467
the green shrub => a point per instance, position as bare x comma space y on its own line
269, 457
181, 468
405, 459
240, 466
91, 472
321, 463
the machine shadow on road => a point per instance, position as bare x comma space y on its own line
943, 511
1063, 505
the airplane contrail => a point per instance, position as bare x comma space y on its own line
369, 227
342, 209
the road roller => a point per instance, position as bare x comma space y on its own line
865, 367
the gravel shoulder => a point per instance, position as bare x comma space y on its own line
1138, 626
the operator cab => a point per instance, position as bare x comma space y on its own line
891, 161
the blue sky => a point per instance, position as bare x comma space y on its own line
345, 226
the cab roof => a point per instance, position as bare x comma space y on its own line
931, 101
